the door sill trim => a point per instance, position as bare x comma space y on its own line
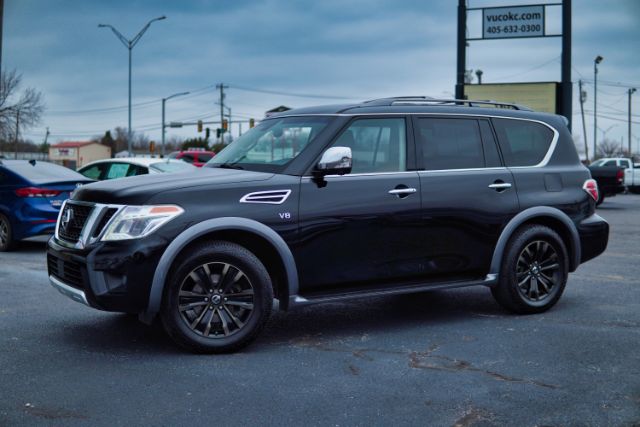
301, 300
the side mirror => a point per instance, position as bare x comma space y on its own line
335, 161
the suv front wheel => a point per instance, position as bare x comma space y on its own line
534, 271
217, 299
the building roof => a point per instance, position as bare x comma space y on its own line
73, 144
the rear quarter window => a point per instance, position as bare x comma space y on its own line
523, 143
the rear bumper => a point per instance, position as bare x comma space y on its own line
594, 236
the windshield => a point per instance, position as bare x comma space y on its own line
270, 146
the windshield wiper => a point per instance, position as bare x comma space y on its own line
229, 166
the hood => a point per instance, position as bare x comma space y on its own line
139, 189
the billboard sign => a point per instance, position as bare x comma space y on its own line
513, 22
538, 96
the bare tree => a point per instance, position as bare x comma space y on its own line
610, 148
23, 108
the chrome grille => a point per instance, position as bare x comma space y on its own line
72, 221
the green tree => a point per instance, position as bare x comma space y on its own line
195, 143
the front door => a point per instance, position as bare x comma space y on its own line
360, 228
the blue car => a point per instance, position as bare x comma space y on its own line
31, 194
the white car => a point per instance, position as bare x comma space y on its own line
132, 166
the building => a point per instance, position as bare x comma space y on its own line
75, 154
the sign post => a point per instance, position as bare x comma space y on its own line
511, 22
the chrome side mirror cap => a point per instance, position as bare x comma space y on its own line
335, 161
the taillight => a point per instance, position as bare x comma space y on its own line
36, 192
620, 176
591, 187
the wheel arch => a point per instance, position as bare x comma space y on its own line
263, 241
542, 215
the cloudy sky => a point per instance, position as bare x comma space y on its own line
296, 53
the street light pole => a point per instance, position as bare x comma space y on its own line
631, 91
596, 61
164, 100
130, 44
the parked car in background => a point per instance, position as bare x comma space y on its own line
609, 176
195, 157
121, 168
631, 170
31, 194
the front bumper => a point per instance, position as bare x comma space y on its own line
594, 236
110, 276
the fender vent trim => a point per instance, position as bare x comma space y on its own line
271, 197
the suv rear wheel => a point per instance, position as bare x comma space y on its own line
534, 271
218, 299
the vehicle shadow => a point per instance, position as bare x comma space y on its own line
124, 334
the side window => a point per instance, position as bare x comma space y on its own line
624, 164
204, 157
137, 170
93, 172
610, 163
117, 170
450, 144
377, 145
187, 158
523, 143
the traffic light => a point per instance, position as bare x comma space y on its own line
199, 125
252, 123
152, 146
206, 133
218, 132
225, 125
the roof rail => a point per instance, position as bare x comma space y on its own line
426, 100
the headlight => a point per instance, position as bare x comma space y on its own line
134, 222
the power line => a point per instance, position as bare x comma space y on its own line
529, 70
297, 95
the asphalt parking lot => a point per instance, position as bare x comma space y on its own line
440, 359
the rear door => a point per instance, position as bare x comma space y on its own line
467, 195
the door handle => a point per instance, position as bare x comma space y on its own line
500, 186
400, 192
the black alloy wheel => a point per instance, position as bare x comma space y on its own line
538, 271
217, 299
534, 270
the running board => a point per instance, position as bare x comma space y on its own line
301, 300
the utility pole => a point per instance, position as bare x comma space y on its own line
462, 46
17, 133
222, 87
566, 87
631, 91
596, 61
1, 22
583, 98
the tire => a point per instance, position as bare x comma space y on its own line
6, 234
200, 318
534, 271
601, 197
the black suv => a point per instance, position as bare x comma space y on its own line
324, 204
